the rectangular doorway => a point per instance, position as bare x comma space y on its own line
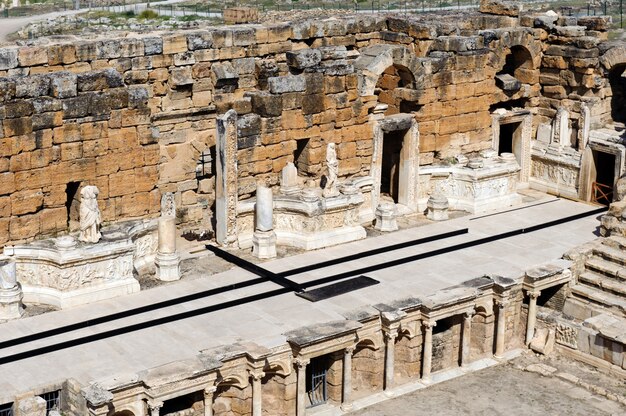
510, 140
390, 173
602, 185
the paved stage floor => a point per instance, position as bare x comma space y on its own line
264, 321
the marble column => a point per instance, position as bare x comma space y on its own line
466, 342
208, 400
11, 294
155, 408
427, 358
390, 359
300, 366
264, 237
167, 259
532, 314
500, 329
257, 398
346, 400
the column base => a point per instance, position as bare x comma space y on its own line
264, 244
389, 393
11, 306
167, 266
347, 407
425, 380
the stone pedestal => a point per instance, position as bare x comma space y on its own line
289, 180
167, 266
10, 291
386, 217
11, 303
264, 244
167, 260
437, 208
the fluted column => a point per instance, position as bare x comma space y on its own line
466, 341
532, 315
155, 408
346, 400
257, 398
500, 329
390, 359
427, 345
300, 365
208, 400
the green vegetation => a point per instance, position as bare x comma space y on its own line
148, 14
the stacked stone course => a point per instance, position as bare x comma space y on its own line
133, 116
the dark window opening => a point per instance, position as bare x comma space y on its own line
390, 172
505, 142
206, 164
300, 156
53, 400
6, 409
181, 403
316, 388
602, 187
618, 88
72, 205
444, 325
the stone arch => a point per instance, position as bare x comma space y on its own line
521, 41
372, 342
614, 56
375, 59
368, 368
281, 367
123, 413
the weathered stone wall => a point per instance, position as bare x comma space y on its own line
446, 346
135, 115
368, 370
232, 401
279, 394
408, 356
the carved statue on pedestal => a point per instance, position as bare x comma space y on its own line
89, 215
333, 169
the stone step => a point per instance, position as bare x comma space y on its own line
604, 283
597, 297
605, 267
615, 241
613, 254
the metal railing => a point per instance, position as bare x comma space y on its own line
316, 389
6, 409
601, 193
53, 400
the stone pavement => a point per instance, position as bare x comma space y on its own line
265, 320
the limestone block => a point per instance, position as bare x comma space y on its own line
543, 341
599, 23
304, 58
108, 49
32, 406
570, 31
96, 395
507, 82
572, 51
63, 84
244, 66
224, 71
61, 54
248, 125
203, 40
181, 76
8, 58
99, 80
546, 21
153, 45
33, 55
266, 105
33, 86
288, 83
501, 8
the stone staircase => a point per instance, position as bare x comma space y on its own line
601, 285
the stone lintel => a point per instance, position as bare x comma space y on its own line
317, 333
96, 395
364, 314
546, 273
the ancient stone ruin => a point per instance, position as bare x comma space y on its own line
275, 139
